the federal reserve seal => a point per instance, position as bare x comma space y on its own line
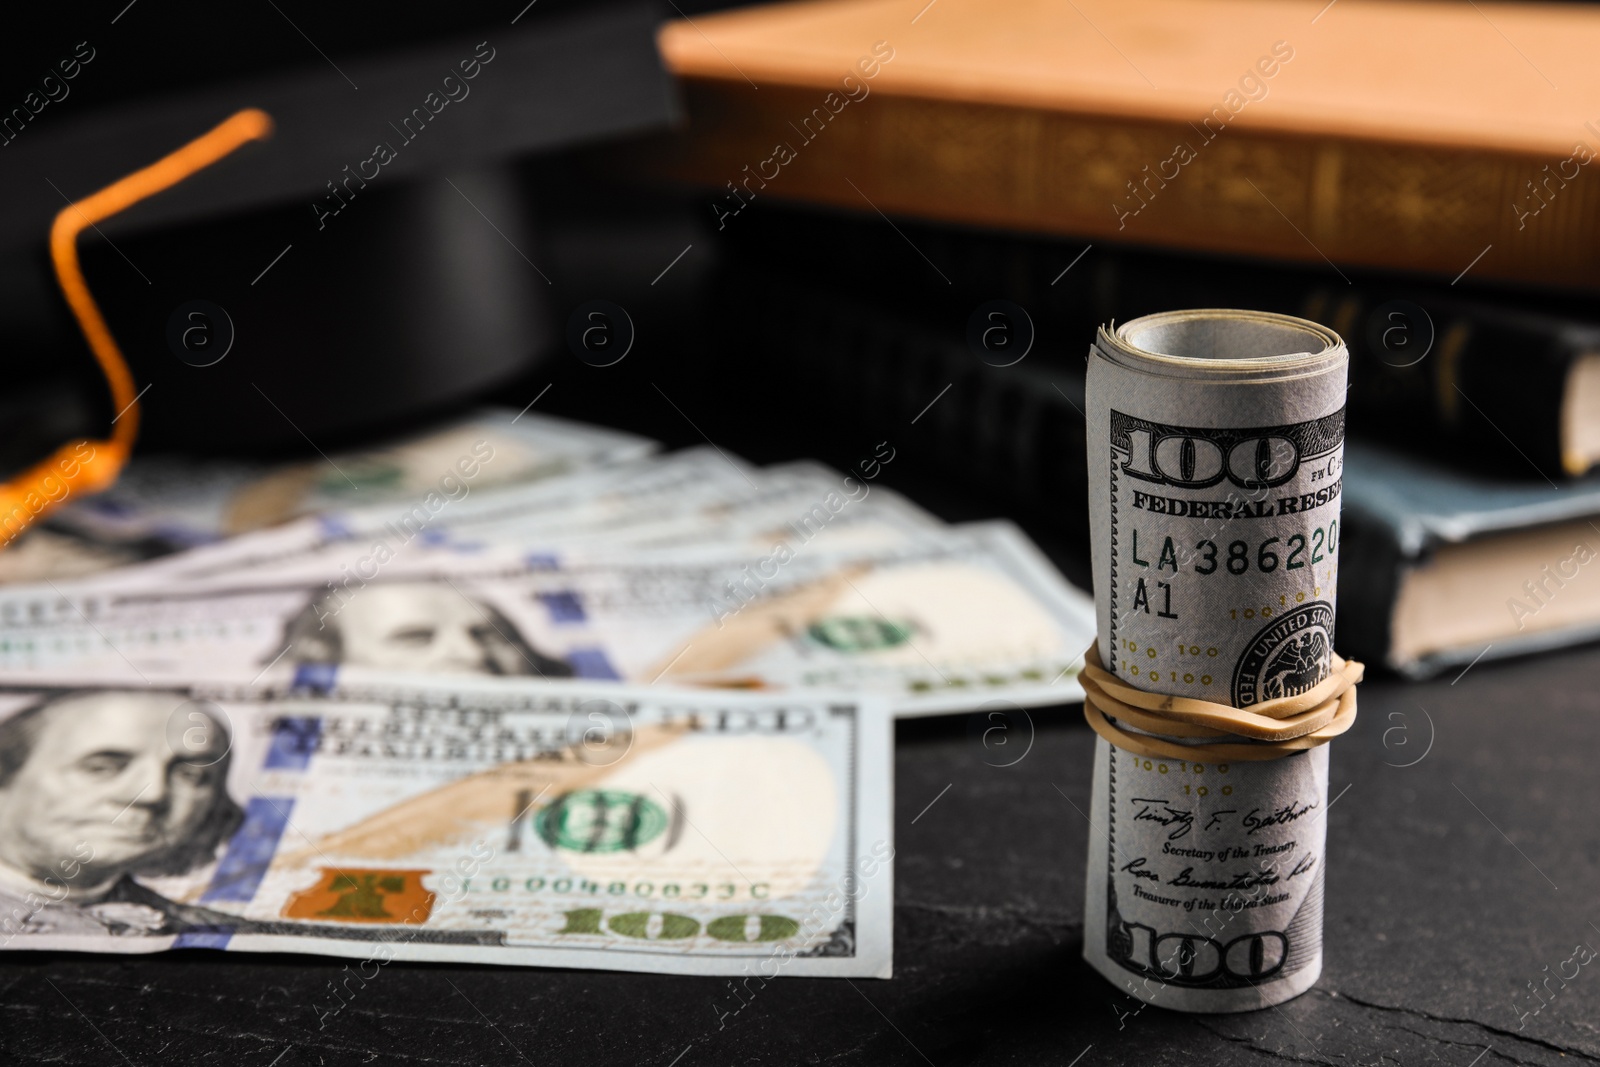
1287, 657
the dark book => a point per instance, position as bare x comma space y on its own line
1497, 381
1469, 383
1500, 380
1014, 431
1440, 568
1475, 378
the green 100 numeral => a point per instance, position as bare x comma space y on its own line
675, 927
1270, 554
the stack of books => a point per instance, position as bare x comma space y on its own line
1096, 161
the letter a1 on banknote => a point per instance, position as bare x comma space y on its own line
1216, 440
383, 817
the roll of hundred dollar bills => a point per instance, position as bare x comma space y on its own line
1215, 446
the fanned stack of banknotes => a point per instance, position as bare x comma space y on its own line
516, 691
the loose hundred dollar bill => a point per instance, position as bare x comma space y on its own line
692, 498
179, 502
942, 623
1215, 449
837, 512
386, 817
585, 506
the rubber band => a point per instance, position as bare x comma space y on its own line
90, 466
1269, 730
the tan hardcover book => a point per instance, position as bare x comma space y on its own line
1455, 138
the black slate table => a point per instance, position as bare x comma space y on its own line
1463, 864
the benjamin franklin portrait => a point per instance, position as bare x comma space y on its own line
413, 626
93, 794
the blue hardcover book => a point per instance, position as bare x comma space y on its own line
1440, 568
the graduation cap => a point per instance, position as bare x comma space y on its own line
375, 256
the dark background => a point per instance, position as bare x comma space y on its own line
1452, 882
